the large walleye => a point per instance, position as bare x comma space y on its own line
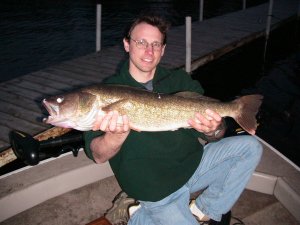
146, 111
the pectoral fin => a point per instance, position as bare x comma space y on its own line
123, 107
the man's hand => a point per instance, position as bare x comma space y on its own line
116, 130
112, 122
206, 124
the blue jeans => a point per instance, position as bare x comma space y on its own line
223, 173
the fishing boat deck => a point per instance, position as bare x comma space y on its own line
20, 109
73, 191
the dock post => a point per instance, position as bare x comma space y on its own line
268, 28
188, 39
98, 28
201, 10
244, 4
297, 22
298, 12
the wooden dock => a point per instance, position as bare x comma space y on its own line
20, 98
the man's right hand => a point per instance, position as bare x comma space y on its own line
116, 128
112, 122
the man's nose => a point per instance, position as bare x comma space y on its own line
149, 49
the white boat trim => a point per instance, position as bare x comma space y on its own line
23, 198
278, 153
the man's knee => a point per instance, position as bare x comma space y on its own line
254, 147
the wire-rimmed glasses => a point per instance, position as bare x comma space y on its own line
143, 44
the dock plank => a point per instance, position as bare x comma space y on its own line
32, 85
63, 73
13, 122
78, 72
47, 82
22, 92
25, 103
53, 76
19, 112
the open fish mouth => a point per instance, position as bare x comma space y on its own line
52, 109
54, 117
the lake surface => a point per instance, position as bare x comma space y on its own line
277, 78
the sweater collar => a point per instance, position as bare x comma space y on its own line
160, 74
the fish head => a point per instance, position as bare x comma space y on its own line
74, 110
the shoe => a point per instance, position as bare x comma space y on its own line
205, 222
118, 214
225, 220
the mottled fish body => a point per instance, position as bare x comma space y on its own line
147, 111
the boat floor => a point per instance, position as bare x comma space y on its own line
90, 202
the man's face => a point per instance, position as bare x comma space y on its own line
143, 61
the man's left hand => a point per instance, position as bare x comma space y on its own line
208, 123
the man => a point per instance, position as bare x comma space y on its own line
162, 169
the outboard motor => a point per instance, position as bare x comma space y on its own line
32, 151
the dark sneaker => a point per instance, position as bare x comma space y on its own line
224, 221
118, 214
204, 222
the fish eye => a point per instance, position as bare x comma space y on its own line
59, 99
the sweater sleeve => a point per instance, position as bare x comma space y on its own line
88, 136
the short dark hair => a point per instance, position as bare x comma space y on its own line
150, 18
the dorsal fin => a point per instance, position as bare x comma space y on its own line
195, 95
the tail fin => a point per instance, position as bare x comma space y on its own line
248, 108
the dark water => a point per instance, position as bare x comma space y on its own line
277, 78
35, 34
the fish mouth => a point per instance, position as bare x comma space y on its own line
52, 109
54, 117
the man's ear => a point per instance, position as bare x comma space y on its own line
126, 44
163, 50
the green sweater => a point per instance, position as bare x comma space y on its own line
152, 165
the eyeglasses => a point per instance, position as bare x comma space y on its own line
143, 44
